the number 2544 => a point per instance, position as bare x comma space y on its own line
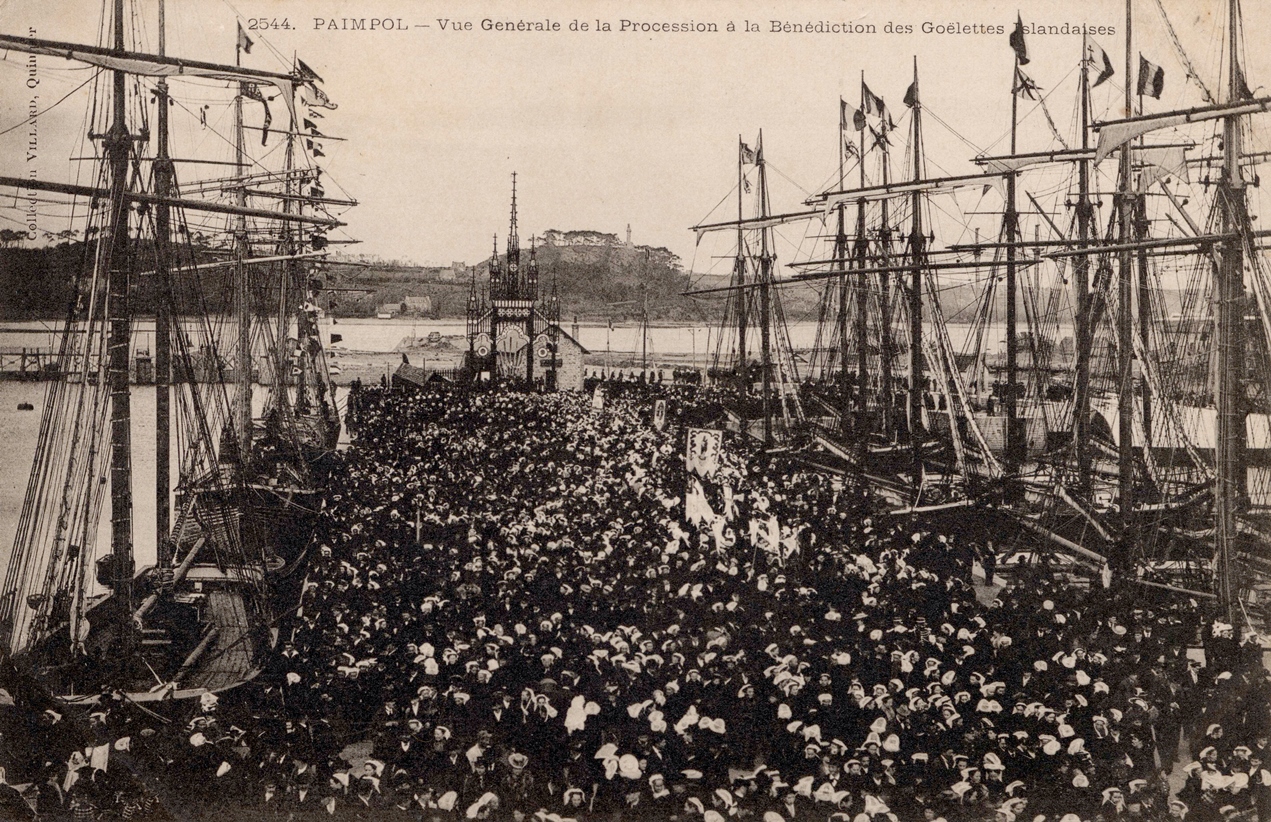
267, 23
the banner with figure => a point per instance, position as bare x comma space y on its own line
659, 415
703, 451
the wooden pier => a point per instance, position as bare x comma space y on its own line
28, 364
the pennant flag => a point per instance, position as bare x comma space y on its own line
911, 95
316, 97
1100, 57
316, 148
307, 73
316, 115
252, 92
1017, 41
1151, 78
1024, 85
335, 338
745, 184
312, 128
747, 154
245, 43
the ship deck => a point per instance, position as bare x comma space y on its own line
230, 661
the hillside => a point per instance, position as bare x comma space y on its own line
597, 277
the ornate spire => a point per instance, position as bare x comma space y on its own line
513, 240
495, 285
513, 289
553, 304
531, 274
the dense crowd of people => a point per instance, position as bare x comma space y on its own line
524, 605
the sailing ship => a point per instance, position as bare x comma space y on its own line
1132, 441
76, 611
765, 400
916, 447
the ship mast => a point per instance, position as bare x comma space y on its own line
243, 373
1010, 225
1125, 327
530, 295
1229, 491
884, 299
289, 304
917, 253
743, 297
117, 147
1081, 278
862, 281
840, 262
765, 296
644, 330
163, 177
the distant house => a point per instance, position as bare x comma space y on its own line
416, 305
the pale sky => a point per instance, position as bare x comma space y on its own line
603, 128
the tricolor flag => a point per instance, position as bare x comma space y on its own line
848, 115
1151, 78
1100, 57
1017, 41
873, 104
245, 43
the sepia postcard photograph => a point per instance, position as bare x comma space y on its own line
599, 411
